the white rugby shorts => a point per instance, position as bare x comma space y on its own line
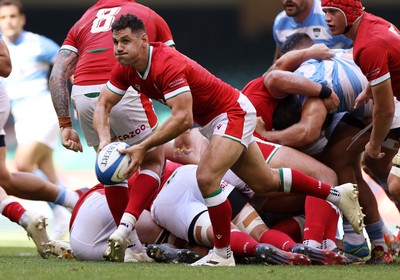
128, 119
92, 227
35, 120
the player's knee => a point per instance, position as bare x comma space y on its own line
206, 182
23, 166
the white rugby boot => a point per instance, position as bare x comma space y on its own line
117, 244
212, 259
350, 206
61, 249
36, 229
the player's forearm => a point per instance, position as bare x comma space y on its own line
382, 121
170, 129
383, 112
59, 95
63, 68
295, 137
293, 59
101, 123
284, 82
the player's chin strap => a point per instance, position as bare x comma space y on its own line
358, 135
348, 27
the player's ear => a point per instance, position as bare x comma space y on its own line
145, 38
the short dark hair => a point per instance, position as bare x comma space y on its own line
16, 3
286, 113
296, 41
128, 21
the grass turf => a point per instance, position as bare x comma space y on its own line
24, 263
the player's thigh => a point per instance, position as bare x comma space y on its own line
219, 156
292, 158
132, 119
341, 150
154, 160
85, 107
255, 172
31, 153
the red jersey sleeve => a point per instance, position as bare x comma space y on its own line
373, 61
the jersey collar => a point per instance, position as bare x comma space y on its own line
143, 75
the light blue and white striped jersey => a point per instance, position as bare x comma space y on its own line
314, 25
31, 57
343, 76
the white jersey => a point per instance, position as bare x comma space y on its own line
314, 25
180, 201
27, 86
343, 76
31, 57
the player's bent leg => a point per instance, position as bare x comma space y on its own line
253, 170
292, 158
212, 167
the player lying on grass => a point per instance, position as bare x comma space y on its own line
276, 152
89, 244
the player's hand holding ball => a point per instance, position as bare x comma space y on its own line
111, 165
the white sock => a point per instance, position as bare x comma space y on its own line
328, 244
134, 243
23, 221
223, 252
350, 236
312, 243
334, 196
128, 222
71, 198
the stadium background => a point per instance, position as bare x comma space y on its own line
231, 38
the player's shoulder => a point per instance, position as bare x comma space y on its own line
29, 35
281, 16
160, 49
31, 38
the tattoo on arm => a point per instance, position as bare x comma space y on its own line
63, 69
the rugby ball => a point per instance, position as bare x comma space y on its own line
111, 165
